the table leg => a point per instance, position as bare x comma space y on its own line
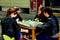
33, 34
59, 37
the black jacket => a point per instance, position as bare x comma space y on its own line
9, 27
41, 18
51, 27
19, 17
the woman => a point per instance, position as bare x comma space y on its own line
40, 17
9, 26
18, 18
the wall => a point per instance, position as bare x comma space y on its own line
20, 3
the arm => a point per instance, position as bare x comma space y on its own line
45, 25
20, 19
36, 16
16, 26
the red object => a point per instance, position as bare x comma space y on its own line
39, 2
33, 5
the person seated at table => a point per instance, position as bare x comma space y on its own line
39, 12
9, 26
18, 18
40, 17
49, 28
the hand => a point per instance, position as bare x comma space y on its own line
36, 19
19, 22
23, 20
32, 25
24, 30
40, 22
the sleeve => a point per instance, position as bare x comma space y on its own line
17, 28
20, 18
45, 25
36, 17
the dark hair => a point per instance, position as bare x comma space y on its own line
16, 9
48, 10
41, 9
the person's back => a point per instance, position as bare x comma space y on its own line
7, 27
55, 24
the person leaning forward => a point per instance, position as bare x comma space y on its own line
9, 26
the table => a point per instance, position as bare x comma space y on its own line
33, 31
27, 25
59, 36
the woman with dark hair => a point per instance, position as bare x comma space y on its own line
9, 26
40, 17
18, 18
